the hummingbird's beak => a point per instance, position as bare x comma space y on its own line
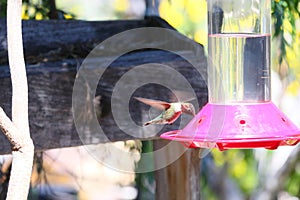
190, 110
193, 112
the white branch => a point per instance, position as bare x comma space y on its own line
17, 130
17, 65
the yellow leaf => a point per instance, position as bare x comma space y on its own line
197, 10
121, 5
201, 36
293, 87
239, 169
68, 16
24, 14
171, 14
38, 16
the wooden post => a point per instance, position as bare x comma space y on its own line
180, 180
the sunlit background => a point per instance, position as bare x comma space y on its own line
247, 169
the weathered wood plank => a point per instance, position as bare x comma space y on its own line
50, 98
51, 83
54, 39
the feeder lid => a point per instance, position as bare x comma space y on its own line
241, 125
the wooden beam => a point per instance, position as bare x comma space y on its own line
180, 179
51, 83
50, 99
59, 39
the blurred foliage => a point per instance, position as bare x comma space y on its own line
241, 167
285, 13
38, 10
187, 16
3, 8
293, 183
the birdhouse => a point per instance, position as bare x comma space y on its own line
239, 112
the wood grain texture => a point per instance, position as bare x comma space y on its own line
54, 39
51, 83
180, 179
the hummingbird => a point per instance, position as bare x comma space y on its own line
170, 111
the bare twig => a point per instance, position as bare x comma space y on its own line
9, 129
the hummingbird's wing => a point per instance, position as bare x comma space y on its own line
181, 96
161, 105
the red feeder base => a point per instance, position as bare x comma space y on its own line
237, 126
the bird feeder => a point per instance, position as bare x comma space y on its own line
239, 112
